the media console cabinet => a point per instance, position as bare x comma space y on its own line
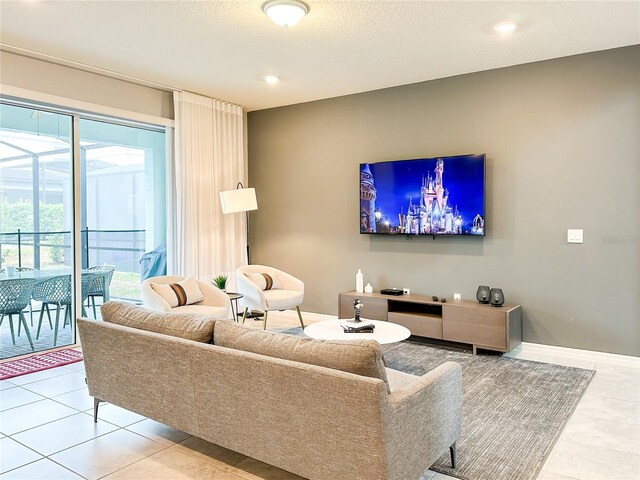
483, 326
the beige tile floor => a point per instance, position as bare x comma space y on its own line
46, 432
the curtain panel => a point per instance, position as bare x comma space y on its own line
209, 158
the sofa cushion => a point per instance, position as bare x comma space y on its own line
362, 357
180, 293
190, 326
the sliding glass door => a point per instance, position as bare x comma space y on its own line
123, 201
36, 221
114, 176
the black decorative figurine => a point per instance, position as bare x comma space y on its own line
482, 295
497, 297
357, 305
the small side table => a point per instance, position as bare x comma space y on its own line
233, 298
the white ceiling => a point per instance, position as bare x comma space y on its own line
224, 48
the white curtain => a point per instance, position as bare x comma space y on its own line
209, 158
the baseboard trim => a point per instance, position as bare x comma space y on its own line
577, 354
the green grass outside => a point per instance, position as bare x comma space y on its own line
125, 285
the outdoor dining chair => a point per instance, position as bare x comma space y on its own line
15, 295
27, 269
99, 284
56, 291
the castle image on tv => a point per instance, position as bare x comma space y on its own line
410, 197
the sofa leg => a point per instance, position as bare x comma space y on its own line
264, 323
96, 404
452, 452
300, 316
244, 315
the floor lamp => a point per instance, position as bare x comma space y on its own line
240, 200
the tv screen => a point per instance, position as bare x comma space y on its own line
424, 196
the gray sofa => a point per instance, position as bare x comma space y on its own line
317, 418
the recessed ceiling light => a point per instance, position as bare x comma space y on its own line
285, 13
505, 27
271, 79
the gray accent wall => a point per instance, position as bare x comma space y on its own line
561, 138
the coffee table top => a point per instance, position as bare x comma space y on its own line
385, 332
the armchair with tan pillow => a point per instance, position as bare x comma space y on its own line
267, 289
173, 293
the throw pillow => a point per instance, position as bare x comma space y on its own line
198, 328
362, 357
179, 294
265, 281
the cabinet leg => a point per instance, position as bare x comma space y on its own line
475, 350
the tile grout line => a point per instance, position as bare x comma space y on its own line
42, 379
633, 424
578, 414
167, 447
143, 458
613, 398
41, 424
44, 397
198, 458
601, 448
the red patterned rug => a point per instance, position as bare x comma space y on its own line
36, 363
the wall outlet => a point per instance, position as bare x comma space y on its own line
406, 291
575, 235
457, 296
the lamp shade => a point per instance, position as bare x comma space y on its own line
239, 200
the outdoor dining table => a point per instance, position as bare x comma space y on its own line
42, 275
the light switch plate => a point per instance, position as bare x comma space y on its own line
575, 235
457, 296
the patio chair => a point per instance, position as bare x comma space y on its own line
27, 269
15, 295
57, 291
99, 284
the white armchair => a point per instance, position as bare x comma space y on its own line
289, 296
215, 303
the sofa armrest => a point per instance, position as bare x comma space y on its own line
151, 300
424, 420
289, 282
213, 296
253, 296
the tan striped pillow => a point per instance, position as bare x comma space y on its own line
265, 281
179, 294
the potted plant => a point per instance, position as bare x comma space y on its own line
220, 281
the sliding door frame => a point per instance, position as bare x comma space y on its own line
78, 111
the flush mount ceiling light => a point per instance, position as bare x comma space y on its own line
285, 13
505, 27
271, 79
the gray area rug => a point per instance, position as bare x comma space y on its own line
512, 410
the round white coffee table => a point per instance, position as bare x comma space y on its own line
385, 332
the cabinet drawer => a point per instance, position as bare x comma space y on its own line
373, 309
478, 327
419, 325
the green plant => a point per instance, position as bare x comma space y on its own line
221, 281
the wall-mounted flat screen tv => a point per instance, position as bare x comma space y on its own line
424, 196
